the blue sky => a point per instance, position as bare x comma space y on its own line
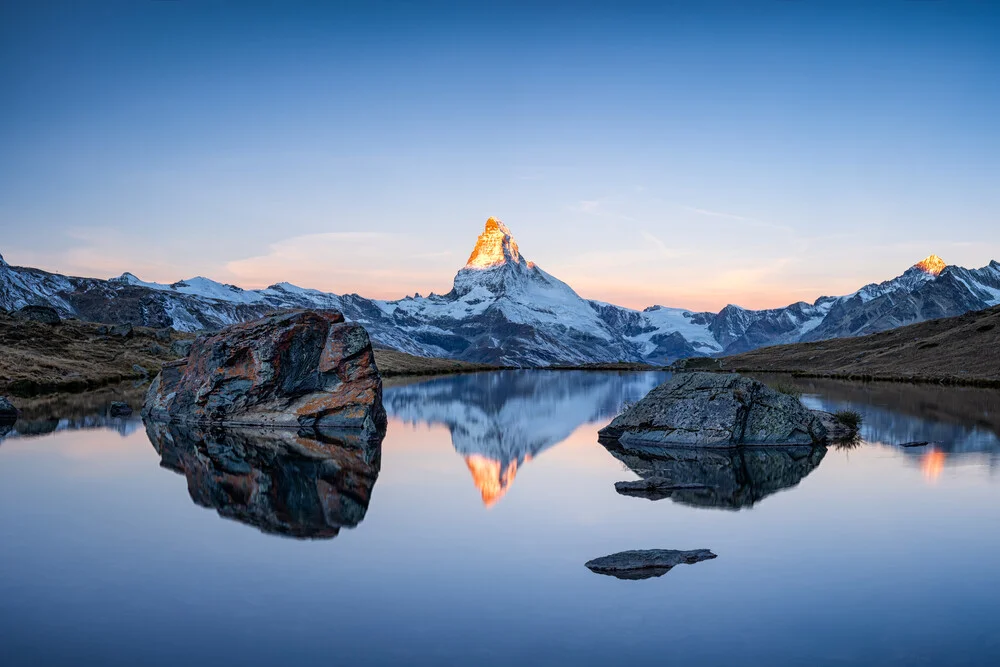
688, 153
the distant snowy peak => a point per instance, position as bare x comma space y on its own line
931, 265
3, 262
495, 246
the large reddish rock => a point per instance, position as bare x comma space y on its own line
299, 368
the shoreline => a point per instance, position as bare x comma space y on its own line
952, 381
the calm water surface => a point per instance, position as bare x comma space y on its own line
462, 541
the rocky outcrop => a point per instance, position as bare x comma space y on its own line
43, 314
715, 410
305, 484
300, 369
720, 478
646, 563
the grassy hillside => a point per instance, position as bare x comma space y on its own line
962, 350
394, 362
37, 358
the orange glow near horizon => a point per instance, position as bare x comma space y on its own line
932, 464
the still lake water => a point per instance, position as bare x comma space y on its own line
489, 495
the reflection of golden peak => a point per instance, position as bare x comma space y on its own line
931, 264
491, 480
933, 464
494, 246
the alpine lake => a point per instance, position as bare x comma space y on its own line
462, 539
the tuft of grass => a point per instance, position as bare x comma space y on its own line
849, 418
787, 389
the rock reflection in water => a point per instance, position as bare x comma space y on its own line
722, 478
304, 485
42, 415
499, 421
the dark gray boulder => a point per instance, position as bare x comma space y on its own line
43, 314
646, 563
714, 410
121, 331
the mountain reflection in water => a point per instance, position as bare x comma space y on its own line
304, 485
958, 424
499, 421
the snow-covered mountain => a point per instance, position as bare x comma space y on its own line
505, 309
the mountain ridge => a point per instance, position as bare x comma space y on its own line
505, 310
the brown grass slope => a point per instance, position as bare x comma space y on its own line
959, 350
394, 362
38, 358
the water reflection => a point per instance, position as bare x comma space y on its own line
721, 478
499, 421
69, 412
957, 423
305, 485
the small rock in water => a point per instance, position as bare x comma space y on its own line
8, 413
915, 444
646, 563
119, 409
43, 314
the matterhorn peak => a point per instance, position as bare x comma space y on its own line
931, 265
494, 247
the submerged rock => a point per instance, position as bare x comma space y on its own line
43, 314
299, 368
711, 477
646, 563
715, 410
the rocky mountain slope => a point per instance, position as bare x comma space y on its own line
505, 310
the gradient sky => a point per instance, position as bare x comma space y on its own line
690, 153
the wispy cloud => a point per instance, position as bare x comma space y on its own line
375, 264
745, 219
